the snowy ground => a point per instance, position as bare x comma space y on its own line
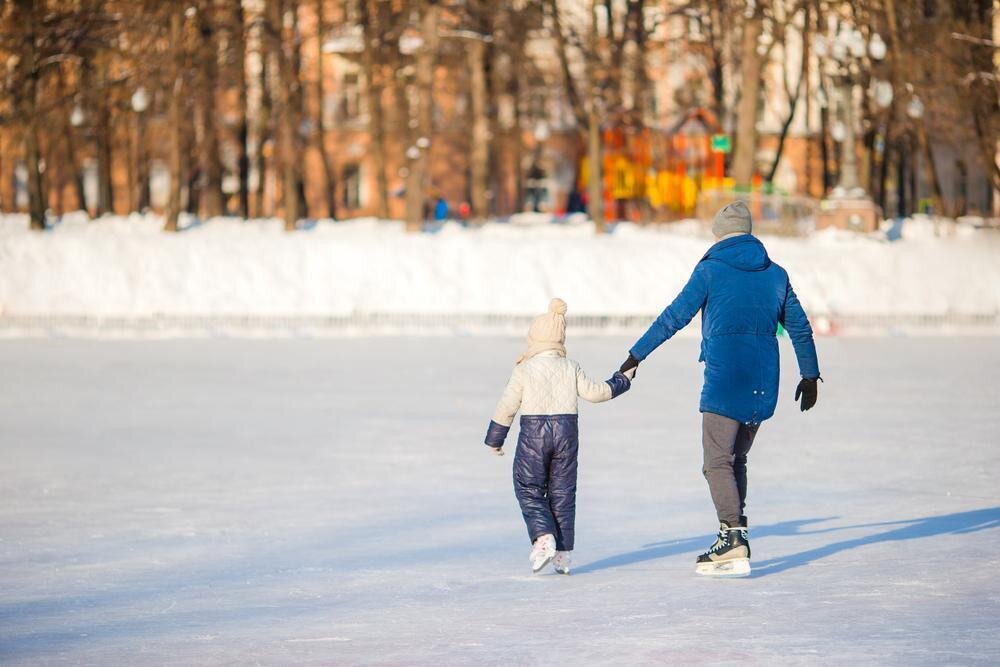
190, 502
127, 274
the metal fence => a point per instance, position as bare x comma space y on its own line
777, 214
409, 324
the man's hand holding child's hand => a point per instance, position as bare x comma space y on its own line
497, 450
629, 368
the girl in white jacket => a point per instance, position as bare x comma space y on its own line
544, 386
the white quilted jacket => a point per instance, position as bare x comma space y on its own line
547, 384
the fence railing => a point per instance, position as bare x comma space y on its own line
778, 214
12, 326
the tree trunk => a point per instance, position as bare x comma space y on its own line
576, 103
633, 76
937, 200
793, 103
806, 76
242, 131
612, 55
824, 147
36, 199
70, 141
717, 71
296, 101
319, 136
211, 160
883, 177
595, 193
192, 160
424, 116
372, 36
901, 165
594, 153
263, 121
479, 153
174, 203
142, 161
29, 112
746, 120
105, 190
285, 117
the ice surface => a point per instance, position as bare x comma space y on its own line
330, 501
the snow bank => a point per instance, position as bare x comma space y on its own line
226, 267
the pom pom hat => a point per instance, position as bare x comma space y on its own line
547, 332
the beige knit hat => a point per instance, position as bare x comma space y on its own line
547, 332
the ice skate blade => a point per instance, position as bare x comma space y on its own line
736, 567
562, 571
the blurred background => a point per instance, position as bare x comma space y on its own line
613, 127
635, 110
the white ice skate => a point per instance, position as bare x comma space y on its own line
729, 555
542, 552
561, 562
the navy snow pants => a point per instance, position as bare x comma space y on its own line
545, 476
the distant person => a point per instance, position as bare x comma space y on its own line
440, 209
536, 187
544, 387
743, 296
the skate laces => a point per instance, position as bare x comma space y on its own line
721, 541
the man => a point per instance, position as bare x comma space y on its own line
743, 297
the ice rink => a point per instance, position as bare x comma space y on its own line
330, 501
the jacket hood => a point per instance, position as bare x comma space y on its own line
744, 252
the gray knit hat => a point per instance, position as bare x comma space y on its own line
732, 219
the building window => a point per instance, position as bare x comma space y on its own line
330, 102
350, 96
20, 185
159, 184
351, 178
91, 183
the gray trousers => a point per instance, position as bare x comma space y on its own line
726, 443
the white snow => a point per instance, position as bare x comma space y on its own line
330, 501
127, 267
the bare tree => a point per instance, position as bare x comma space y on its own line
791, 94
751, 63
319, 132
278, 51
594, 116
422, 112
585, 96
208, 81
29, 72
265, 114
175, 113
238, 50
374, 32
69, 139
479, 134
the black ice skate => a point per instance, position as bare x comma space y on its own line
729, 556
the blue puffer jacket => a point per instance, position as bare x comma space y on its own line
743, 297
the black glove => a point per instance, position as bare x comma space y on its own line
629, 364
808, 391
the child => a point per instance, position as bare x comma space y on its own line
544, 387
